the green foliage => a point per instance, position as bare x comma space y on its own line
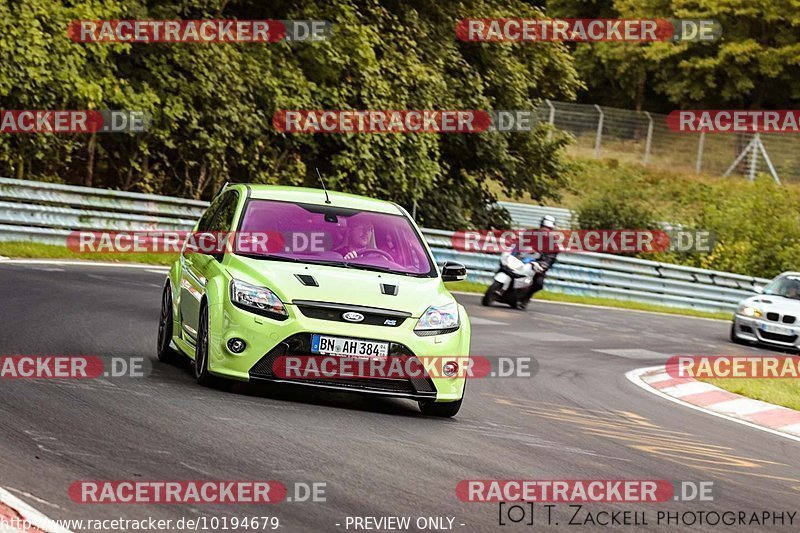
757, 228
755, 65
614, 211
755, 225
212, 105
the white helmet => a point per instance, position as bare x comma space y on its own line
548, 221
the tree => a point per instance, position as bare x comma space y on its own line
755, 64
212, 104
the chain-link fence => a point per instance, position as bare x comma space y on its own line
645, 138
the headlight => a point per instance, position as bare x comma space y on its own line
513, 263
438, 319
259, 300
750, 311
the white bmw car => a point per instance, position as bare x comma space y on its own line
771, 317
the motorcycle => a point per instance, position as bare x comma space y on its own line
513, 280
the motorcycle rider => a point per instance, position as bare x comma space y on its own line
541, 265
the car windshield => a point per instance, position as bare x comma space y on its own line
331, 235
788, 287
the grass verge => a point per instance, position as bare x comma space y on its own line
785, 392
32, 250
471, 286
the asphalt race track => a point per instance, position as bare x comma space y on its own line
577, 418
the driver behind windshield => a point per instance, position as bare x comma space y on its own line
358, 237
791, 291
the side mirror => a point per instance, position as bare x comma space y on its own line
205, 243
759, 290
453, 271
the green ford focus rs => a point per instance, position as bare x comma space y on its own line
309, 283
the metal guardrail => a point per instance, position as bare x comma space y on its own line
44, 212
36, 192
529, 216
618, 277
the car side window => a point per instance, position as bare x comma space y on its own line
205, 220
223, 218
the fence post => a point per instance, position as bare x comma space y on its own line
648, 143
599, 136
701, 143
751, 173
770, 166
551, 119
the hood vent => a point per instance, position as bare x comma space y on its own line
389, 289
307, 280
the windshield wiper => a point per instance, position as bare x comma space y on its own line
269, 257
344, 264
386, 270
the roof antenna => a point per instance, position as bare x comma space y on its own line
222, 190
327, 200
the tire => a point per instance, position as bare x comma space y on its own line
523, 304
442, 409
491, 293
201, 373
166, 354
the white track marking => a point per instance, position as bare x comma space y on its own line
743, 406
478, 321
32, 497
6, 261
687, 389
548, 336
633, 353
30, 514
635, 377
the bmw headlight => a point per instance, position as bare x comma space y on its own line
258, 300
438, 319
749, 310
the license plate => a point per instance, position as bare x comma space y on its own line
778, 330
325, 345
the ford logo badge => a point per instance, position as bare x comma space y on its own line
352, 316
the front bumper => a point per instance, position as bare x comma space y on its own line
268, 339
752, 329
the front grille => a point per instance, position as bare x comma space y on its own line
382, 385
786, 319
300, 345
777, 337
373, 316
